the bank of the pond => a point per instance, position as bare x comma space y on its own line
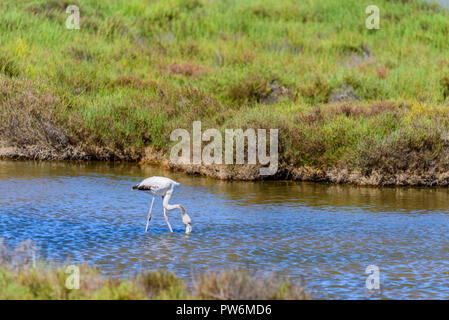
352, 105
436, 175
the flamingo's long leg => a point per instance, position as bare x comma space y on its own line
166, 219
149, 214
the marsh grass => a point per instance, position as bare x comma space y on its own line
135, 71
24, 276
236, 284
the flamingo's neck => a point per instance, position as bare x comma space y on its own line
185, 217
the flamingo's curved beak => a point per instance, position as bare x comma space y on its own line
188, 228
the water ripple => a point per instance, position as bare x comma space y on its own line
327, 234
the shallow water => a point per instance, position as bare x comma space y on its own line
328, 234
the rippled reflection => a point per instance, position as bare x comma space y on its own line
87, 212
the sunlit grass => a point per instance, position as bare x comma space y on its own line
136, 70
23, 276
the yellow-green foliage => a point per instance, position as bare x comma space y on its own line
22, 276
44, 282
137, 69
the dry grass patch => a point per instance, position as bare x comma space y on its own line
238, 284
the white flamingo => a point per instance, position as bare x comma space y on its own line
163, 187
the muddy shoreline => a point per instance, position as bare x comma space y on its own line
336, 175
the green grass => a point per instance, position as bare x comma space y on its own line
136, 70
44, 282
23, 277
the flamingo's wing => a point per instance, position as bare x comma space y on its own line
153, 184
144, 187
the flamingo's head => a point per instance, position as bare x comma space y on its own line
188, 228
186, 220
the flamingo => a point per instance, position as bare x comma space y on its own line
163, 187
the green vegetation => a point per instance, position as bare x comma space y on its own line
342, 96
23, 278
46, 283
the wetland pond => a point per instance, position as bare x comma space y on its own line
326, 234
